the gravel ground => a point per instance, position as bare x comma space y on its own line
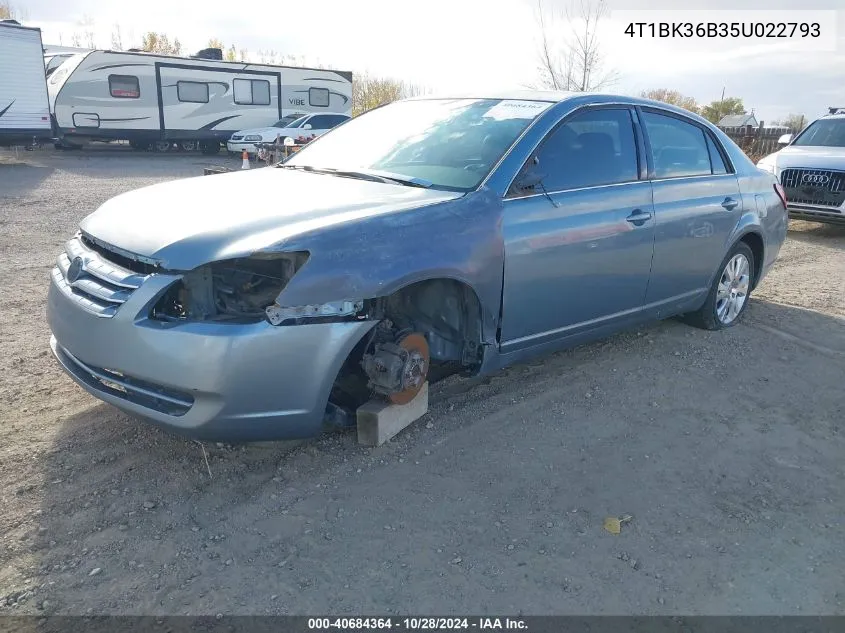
726, 448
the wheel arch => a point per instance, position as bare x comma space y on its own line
755, 242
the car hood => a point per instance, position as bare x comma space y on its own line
185, 223
809, 158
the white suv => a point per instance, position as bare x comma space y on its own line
301, 130
811, 169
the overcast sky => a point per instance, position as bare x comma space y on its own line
472, 44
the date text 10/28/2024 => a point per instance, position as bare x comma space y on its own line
417, 624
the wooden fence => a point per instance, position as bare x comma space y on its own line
758, 141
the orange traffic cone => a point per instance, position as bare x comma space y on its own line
245, 163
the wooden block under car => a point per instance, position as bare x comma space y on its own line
379, 421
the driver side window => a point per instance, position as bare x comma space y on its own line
592, 148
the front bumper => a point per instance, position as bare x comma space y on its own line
240, 146
828, 215
211, 381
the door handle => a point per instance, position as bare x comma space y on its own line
639, 217
729, 203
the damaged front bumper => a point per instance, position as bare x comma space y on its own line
216, 381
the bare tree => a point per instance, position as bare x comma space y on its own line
116, 38
215, 42
794, 122
87, 25
76, 39
574, 62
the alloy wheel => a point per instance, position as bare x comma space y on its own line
732, 292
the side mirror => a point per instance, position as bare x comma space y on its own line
307, 126
528, 180
530, 176
786, 139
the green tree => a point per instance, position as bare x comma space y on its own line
717, 110
154, 42
231, 54
672, 97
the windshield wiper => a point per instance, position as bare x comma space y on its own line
371, 175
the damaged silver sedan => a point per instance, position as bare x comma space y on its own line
426, 237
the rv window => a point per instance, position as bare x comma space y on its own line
124, 87
318, 97
192, 91
252, 91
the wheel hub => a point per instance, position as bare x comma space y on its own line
398, 370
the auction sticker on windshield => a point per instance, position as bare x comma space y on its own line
517, 109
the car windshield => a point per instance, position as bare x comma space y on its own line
294, 122
451, 143
823, 133
288, 120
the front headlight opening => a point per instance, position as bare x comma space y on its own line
235, 290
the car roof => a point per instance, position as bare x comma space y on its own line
553, 96
560, 96
313, 113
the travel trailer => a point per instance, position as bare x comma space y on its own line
24, 110
55, 56
155, 100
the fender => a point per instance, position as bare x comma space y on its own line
460, 239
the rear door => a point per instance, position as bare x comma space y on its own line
697, 203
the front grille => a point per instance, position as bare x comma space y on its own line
135, 390
237, 137
820, 187
95, 283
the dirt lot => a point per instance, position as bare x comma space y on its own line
727, 449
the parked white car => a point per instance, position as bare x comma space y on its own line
301, 130
811, 169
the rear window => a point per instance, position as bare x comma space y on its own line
124, 87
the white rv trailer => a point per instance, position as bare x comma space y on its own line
54, 56
147, 98
24, 110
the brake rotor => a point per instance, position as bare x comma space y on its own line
415, 370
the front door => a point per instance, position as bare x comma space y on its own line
578, 243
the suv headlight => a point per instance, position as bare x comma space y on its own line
252, 138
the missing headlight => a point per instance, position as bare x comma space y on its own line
234, 290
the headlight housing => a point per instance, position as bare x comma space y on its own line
250, 138
277, 314
236, 290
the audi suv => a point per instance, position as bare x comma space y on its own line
811, 169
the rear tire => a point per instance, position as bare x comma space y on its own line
730, 293
188, 146
162, 146
210, 148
